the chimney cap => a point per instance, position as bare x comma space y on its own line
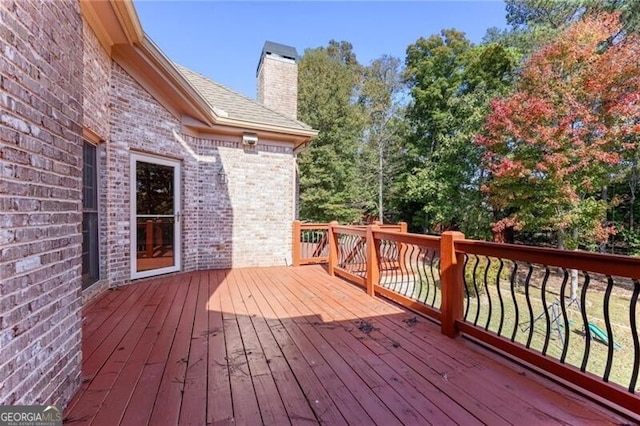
282, 50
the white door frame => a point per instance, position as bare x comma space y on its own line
177, 202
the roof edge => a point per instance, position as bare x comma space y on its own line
116, 24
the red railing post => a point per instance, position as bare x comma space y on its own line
295, 241
373, 252
403, 227
451, 270
333, 248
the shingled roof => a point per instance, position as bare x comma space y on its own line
235, 105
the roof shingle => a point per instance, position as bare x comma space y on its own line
236, 105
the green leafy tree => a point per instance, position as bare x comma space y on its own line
451, 84
380, 157
328, 82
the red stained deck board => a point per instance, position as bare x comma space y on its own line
166, 409
387, 344
444, 375
295, 348
282, 345
194, 396
272, 409
500, 397
333, 372
245, 402
293, 398
122, 390
219, 401
141, 403
355, 352
102, 367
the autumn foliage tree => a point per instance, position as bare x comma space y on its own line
552, 145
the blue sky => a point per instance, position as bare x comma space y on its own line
223, 40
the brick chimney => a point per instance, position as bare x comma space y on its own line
277, 77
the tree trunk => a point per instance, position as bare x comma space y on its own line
633, 183
561, 239
574, 273
380, 183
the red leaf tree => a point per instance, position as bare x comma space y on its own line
555, 142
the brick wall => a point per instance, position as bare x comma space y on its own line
278, 85
138, 123
245, 222
40, 200
96, 117
97, 78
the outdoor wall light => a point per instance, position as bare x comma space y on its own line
222, 176
250, 139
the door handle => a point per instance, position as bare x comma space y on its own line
177, 216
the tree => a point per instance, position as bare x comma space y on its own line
328, 82
556, 141
451, 84
553, 15
381, 100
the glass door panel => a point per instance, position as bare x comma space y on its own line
155, 245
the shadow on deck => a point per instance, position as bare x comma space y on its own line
290, 346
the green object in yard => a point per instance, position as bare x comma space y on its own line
601, 335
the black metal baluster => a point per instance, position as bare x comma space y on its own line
420, 265
466, 286
527, 283
585, 322
393, 260
383, 263
433, 279
486, 288
607, 323
500, 297
424, 277
325, 251
435, 289
634, 334
434, 266
403, 280
565, 318
475, 287
362, 254
414, 271
512, 282
547, 318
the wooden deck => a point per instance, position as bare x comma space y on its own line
291, 346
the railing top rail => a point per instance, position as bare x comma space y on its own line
607, 264
414, 239
351, 230
314, 226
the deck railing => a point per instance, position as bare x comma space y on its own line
572, 314
310, 243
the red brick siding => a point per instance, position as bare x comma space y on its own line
96, 117
40, 200
246, 222
138, 122
97, 79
